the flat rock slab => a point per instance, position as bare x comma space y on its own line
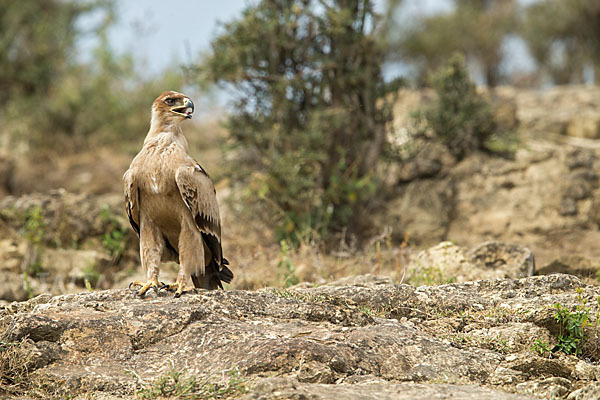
327, 339
281, 388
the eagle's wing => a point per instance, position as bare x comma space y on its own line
199, 195
132, 201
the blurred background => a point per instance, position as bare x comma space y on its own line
343, 136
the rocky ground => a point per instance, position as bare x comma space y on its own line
484, 282
360, 337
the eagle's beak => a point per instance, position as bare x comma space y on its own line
186, 110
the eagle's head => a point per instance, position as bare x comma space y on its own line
171, 108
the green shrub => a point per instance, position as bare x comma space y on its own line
311, 110
571, 337
459, 117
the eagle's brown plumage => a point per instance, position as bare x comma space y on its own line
172, 205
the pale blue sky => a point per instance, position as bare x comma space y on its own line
160, 33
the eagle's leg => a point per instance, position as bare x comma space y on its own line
151, 248
180, 283
191, 258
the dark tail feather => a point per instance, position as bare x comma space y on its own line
213, 277
225, 273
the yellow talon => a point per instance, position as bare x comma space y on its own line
136, 283
179, 290
178, 287
170, 287
153, 283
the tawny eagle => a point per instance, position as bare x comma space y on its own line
172, 205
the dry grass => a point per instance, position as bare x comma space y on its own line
17, 375
259, 261
14, 365
15, 361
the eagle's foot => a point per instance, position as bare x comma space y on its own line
178, 287
135, 283
169, 287
144, 287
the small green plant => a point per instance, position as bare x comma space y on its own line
541, 347
91, 276
500, 345
183, 385
115, 239
34, 225
27, 286
88, 285
33, 231
286, 267
571, 337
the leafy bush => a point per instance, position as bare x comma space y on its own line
459, 117
311, 109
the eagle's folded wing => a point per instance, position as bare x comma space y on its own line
198, 193
132, 203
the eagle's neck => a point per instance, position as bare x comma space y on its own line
165, 133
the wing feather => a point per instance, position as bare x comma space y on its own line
132, 203
198, 193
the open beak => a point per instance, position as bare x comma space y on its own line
186, 110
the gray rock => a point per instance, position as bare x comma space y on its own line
584, 126
356, 337
285, 388
547, 198
423, 211
588, 392
485, 261
573, 264
550, 388
515, 261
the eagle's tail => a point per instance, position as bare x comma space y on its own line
225, 273
213, 276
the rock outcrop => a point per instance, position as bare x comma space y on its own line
362, 337
544, 198
485, 261
54, 242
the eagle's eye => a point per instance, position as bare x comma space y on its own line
170, 101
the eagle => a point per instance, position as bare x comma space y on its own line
172, 206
